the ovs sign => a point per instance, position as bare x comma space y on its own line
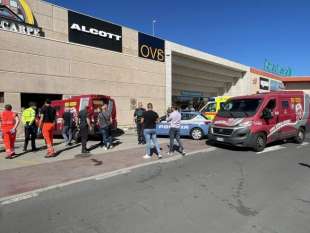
151, 47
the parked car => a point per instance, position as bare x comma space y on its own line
193, 124
256, 120
78, 103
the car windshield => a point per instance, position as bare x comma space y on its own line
239, 108
211, 107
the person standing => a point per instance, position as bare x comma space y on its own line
137, 117
29, 122
85, 126
9, 123
149, 120
105, 124
68, 123
47, 124
174, 119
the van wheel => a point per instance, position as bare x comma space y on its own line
196, 134
260, 141
300, 136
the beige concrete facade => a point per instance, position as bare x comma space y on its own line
52, 65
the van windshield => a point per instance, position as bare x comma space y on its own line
239, 108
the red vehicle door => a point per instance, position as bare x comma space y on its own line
287, 118
270, 125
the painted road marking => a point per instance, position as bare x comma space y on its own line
19, 198
114, 173
272, 148
303, 144
35, 193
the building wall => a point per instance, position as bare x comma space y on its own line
298, 86
39, 65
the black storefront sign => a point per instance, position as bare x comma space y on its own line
151, 47
264, 84
94, 32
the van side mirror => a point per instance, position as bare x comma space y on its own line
267, 114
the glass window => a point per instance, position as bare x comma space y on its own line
187, 116
271, 104
238, 108
13, 3
1, 97
211, 107
285, 104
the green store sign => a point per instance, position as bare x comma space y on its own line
276, 69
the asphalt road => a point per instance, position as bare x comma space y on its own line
222, 191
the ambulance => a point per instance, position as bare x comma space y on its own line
77, 103
254, 121
213, 106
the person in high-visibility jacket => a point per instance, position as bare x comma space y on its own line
9, 123
28, 119
47, 124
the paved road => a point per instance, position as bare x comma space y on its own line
221, 191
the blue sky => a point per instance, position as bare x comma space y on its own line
245, 31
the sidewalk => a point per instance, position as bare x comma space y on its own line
32, 171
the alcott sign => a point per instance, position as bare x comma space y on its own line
94, 32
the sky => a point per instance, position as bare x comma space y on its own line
245, 31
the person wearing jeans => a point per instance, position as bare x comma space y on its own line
67, 126
105, 124
149, 120
174, 132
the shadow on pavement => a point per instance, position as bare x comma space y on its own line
304, 165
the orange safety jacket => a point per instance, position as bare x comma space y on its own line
7, 120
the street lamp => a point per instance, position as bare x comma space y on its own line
153, 24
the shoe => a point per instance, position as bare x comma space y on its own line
105, 148
86, 152
9, 157
147, 157
170, 153
183, 153
24, 150
160, 156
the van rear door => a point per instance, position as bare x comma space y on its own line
287, 118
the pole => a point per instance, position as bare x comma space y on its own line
153, 24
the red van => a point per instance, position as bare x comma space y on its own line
78, 103
256, 120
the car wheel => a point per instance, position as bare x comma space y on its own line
260, 141
300, 136
196, 134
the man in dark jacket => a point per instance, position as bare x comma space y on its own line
137, 117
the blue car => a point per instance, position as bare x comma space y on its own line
193, 124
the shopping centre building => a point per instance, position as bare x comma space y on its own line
51, 52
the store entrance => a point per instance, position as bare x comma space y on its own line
189, 103
37, 98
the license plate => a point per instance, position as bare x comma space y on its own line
220, 139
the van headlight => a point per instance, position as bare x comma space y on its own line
246, 124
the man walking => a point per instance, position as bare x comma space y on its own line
67, 126
105, 124
29, 122
85, 126
174, 119
47, 124
9, 122
149, 120
137, 117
